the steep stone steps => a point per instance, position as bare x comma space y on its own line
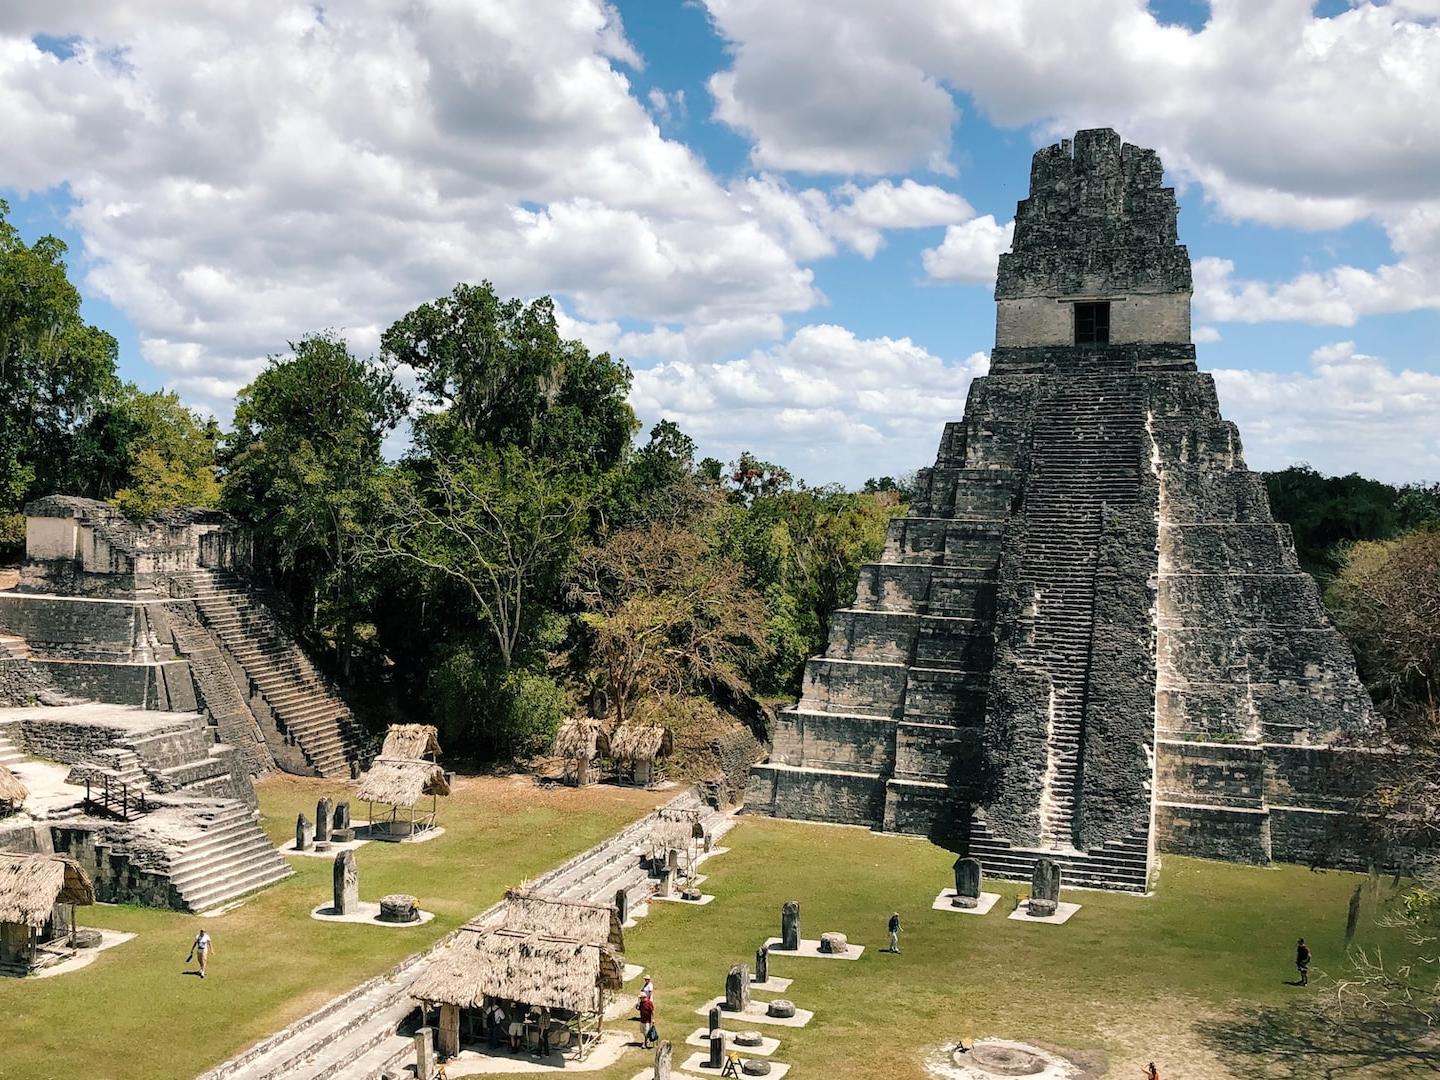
1121, 865
230, 857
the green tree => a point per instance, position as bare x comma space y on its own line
54, 368
170, 455
1326, 511
302, 467
497, 373
657, 482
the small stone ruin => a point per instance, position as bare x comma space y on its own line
1044, 889
780, 1009
342, 832
737, 989
304, 833
346, 883
834, 944
967, 883
762, 964
323, 817
790, 926
749, 1039
398, 908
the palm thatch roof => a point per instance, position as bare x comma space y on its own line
581, 738
595, 924
31, 885
11, 789
412, 741
674, 828
534, 969
641, 742
401, 781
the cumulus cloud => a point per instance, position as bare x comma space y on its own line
1348, 413
970, 253
832, 406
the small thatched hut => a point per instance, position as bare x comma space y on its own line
12, 792
32, 887
637, 749
414, 742
579, 744
400, 784
676, 829
562, 956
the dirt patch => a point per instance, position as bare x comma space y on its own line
9, 577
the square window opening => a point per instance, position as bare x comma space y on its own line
1092, 323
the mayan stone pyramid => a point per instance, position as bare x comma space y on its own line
1089, 639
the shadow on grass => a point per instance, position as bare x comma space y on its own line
1301, 1042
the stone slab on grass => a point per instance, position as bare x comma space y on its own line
633, 972
755, 1014
367, 914
1063, 911
695, 1065
986, 902
85, 957
811, 947
705, 898
773, 985
701, 1037
288, 848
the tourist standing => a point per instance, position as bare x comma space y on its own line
517, 1027
894, 931
1151, 1072
496, 1016
648, 990
200, 951
1302, 961
542, 1026
647, 1021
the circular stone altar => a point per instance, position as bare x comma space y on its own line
755, 1067
780, 1008
749, 1038
994, 1059
398, 908
834, 944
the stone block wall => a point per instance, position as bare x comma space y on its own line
21, 682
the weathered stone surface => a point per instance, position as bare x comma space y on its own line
342, 815
346, 875
425, 1053
398, 908
755, 1067
749, 1038
780, 1008
834, 944
967, 878
717, 1049
622, 905
737, 988
714, 1018
762, 964
790, 925
1089, 575
1045, 881
304, 833
323, 821
664, 1060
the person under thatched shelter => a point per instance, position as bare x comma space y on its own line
411, 742
523, 971
400, 784
12, 792
676, 829
637, 749
579, 744
33, 889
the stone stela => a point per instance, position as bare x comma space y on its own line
1089, 618
790, 926
346, 884
967, 882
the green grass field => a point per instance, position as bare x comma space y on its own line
132, 1015
1193, 977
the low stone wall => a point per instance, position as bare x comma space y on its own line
164, 686
21, 683
120, 878
66, 741
1221, 774
816, 795
1213, 832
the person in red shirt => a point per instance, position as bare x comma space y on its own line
647, 1022
1151, 1072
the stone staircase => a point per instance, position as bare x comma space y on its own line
302, 701
184, 758
1119, 866
228, 857
10, 752
234, 722
1086, 454
353, 1037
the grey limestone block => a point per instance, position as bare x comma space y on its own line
780, 1008
834, 944
304, 833
1045, 880
346, 875
342, 815
790, 925
323, 819
717, 1049
737, 988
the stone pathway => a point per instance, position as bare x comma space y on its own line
353, 1037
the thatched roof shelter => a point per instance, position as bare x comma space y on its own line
11, 789
411, 741
401, 781
31, 886
675, 829
581, 738
535, 969
595, 924
641, 742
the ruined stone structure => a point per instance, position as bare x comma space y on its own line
1089, 637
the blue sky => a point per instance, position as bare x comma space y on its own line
784, 218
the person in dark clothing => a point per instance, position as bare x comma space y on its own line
1302, 961
894, 931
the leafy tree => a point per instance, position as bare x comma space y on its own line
170, 455
497, 373
54, 368
751, 479
1326, 511
903, 486
302, 466
666, 615
656, 482
497, 713
500, 526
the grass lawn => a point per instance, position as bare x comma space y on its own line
132, 1014
1193, 977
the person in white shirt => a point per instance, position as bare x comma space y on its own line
200, 951
648, 990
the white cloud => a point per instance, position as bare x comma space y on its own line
1205, 335
1348, 413
970, 253
828, 404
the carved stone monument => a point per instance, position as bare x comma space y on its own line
737, 988
714, 1018
304, 833
834, 944
780, 1008
398, 908
323, 820
346, 882
762, 964
1044, 888
790, 925
622, 906
967, 883
667, 883
664, 1056
342, 832
425, 1053
717, 1050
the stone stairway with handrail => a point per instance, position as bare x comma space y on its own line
302, 701
1086, 455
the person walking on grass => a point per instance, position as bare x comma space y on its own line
200, 951
1302, 961
647, 1021
895, 932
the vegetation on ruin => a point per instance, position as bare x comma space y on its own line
133, 1015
